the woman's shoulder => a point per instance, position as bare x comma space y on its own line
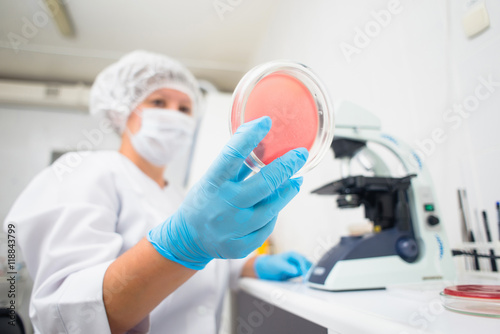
70, 181
73, 165
90, 177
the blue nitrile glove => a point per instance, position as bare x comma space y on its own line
224, 215
281, 267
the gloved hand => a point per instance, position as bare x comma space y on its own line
281, 267
224, 215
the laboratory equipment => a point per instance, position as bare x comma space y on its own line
480, 300
408, 243
298, 105
498, 214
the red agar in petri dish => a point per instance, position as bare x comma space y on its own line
292, 109
297, 102
474, 291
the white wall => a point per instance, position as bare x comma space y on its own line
472, 61
409, 75
213, 134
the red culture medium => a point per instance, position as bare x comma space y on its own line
474, 291
292, 108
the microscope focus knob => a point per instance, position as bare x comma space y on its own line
407, 249
432, 220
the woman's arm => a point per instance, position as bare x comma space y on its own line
248, 268
136, 282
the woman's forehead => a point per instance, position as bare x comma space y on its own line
171, 94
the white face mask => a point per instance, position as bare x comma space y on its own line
163, 134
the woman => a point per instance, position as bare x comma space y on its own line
113, 247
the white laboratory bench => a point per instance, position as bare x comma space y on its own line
292, 307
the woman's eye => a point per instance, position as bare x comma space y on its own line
185, 110
159, 103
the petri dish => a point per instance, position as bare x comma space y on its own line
479, 300
295, 99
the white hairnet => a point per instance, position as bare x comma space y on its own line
122, 86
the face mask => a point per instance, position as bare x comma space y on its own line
164, 133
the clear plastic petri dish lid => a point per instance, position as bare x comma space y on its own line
479, 300
298, 104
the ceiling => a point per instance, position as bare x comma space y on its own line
215, 39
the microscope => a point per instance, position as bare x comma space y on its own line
407, 243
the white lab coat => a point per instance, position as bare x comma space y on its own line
75, 218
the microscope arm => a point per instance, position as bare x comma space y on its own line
411, 162
372, 162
